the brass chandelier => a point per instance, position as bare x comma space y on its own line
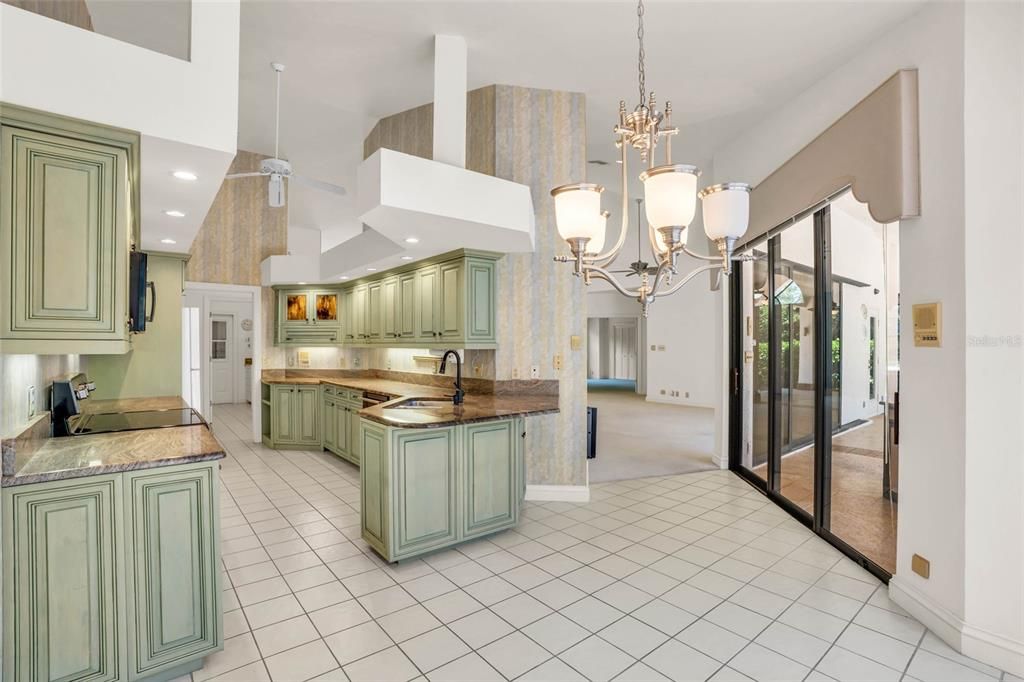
670, 192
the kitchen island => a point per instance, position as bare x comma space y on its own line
432, 474
111, 551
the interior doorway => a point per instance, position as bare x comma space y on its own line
815, 359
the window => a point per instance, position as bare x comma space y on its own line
219, 340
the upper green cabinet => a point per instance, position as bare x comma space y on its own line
69, 198
447, 301
309, 317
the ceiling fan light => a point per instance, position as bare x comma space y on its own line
670, 194
275, 191
578, 213
726, 210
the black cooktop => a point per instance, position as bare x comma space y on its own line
133, 421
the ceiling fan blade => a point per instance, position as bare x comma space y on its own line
317, 184
243, 175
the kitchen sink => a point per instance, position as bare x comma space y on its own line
420, 403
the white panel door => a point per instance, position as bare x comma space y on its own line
222, 366
625, 351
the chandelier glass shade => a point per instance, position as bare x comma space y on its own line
670, 194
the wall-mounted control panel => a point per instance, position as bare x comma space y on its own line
927, 324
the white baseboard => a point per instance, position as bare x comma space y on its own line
558, 493
988, 647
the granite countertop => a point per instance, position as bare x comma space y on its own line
51, 459
475, 408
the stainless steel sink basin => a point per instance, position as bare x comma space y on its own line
420, 403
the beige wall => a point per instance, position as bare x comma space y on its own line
241, 231
537, 138
153, 366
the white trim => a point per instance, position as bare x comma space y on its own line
210, 290
988, 647
558, 493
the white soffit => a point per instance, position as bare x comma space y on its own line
352, 258
445, 207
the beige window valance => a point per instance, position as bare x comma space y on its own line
873, 148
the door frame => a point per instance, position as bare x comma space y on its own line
820, 521
206, 292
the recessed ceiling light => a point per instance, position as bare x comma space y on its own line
343, 277
406, 257
168, 241
412, 240
175, 214
184, 175
371, 269
301, 282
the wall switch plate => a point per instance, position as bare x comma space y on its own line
535, 372
291, 359
557, 362
927, 324
476, 370
576, 342
653, 347
31, 401
686, 394
304, 358
661, 347
921, 566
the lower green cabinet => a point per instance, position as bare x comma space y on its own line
339, 411
425, 489
294, 417
172, 567
113, 577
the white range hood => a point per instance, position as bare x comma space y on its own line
438, 201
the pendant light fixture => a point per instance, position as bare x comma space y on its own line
670, 197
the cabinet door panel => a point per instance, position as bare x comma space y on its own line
427, 324
389, 308
295, 307
326, 308
72, 628
330, 440
282, 420
451, 302
358, 323
340, 418
355, 442
424, 488
374, 311
373, 477
407, 306
491, 477
480, 282
173, 567
65, 237
307, 414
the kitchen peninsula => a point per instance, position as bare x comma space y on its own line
111, 543
433, 474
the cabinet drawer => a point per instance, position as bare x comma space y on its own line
308, 335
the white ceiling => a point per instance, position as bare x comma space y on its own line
723, 65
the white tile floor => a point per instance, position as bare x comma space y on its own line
690, 577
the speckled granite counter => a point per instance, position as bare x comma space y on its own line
35, 460
476, 407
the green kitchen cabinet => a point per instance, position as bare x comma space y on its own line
340, 409
406, 317
330, 433
426, 489
309, 317
451, 300
390, 308
112, 577
70, 192
481, 299
355, 445
374, 312
428, 296
64, 603
294, 417
172, 571
358, 313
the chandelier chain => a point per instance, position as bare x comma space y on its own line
640, 58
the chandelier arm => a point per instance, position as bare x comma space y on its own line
689, 276
601, 273
610, 255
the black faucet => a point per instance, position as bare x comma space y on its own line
457, 398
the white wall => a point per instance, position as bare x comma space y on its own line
938, 402
994, 287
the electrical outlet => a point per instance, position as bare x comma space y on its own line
31, 401
662, 391
389, 363
687, 394
653, 347
341, 361
557, 361
661, 347
515, 372
535, 372
291, 359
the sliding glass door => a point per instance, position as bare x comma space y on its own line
813, 359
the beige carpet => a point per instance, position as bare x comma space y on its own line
636, 439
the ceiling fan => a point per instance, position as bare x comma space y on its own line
637, 267
277, 169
